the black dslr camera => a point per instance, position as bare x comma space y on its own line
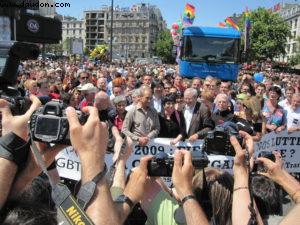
11, 53
258, 166
217, 141
162, 164
50, 124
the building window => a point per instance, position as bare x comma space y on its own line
296, 23
294, 50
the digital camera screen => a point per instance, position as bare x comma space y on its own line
47, 126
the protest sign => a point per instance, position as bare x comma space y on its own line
68, 164
288, 144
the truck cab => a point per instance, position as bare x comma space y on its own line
210, 51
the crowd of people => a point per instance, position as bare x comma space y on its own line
137, 103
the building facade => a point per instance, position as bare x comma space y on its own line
94, 22
135, 30
47, 11
72, 28
291, 15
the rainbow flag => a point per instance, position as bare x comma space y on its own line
188, 15
247, 20
247, 30
231, 23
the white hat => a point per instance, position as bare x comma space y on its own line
90, 88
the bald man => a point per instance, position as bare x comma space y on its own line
141, 123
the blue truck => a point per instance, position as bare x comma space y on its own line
210, 51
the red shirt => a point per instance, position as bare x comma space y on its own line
118, 122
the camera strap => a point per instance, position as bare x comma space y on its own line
68, 209
252, 220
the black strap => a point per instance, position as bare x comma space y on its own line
252, 220
67, 206
15, 149
87, 190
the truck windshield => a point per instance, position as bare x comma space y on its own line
210, 49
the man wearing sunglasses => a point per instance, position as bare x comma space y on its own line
84, 78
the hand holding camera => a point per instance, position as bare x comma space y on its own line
273, 166
17, 124
259, 166
50, 124
89, 140
135, 188
183, 173
241, 159
162, 165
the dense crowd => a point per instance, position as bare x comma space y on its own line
137, 103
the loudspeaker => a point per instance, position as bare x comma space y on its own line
38, 29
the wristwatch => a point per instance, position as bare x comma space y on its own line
124, 199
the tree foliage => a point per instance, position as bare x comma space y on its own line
164, 45
54, 48
268, 34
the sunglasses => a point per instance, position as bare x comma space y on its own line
84, 78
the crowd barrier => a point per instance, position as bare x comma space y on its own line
68, 163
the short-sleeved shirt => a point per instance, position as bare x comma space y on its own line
161, 211
277, 117
293, 117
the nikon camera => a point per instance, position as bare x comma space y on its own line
50, 124
218, 142
162, 164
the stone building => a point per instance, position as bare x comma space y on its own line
135, 30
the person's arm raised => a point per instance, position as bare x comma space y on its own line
90, 142
182, 177
241, 196
278, 174
18, 126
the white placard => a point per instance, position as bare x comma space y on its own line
288, 144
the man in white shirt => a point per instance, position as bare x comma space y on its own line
293, 114
289, 91
197, 116
157, 96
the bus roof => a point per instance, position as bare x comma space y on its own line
211, 32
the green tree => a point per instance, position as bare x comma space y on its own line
268, 34
67, 45
54, 48
164, 45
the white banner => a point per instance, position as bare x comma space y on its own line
68, 163
287, 143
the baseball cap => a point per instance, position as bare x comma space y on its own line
88, 88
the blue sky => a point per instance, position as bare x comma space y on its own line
208, 12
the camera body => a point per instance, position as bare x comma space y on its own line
162, 164
50, 124
217, 141
17, 103
258, 166
11, 53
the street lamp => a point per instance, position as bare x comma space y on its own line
111, 29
